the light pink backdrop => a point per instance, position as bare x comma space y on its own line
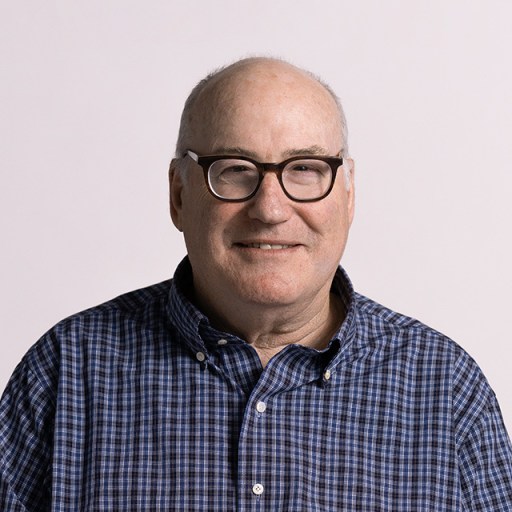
91, 96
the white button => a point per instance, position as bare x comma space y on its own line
257, 489
200, 357
222, 342
261, 406
327, 374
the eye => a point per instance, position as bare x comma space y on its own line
236, 169
304, 168
308, 167
229, 168
306, 173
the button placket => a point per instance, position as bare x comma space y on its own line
258, 488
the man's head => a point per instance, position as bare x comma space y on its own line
270, 250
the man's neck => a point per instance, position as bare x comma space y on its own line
270, 329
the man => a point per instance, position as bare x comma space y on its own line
256, 379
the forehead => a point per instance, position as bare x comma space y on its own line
268, 108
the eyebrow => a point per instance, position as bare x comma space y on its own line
314, 150
234, 150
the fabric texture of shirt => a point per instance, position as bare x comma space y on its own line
141, 405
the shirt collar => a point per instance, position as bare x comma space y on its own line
184, 315
197, 333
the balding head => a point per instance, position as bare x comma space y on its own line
228, 89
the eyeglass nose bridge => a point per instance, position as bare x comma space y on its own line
271, 167
274, 168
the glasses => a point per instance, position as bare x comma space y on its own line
237, 178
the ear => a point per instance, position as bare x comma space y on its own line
350, 185
175, 193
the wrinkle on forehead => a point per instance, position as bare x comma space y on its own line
314, 150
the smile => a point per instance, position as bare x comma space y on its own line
266, 247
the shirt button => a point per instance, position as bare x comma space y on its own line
327, 374
258, 489
222, 342
261, 406
200, 357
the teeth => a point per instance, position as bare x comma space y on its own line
268, 247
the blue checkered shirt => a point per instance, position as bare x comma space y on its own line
141, 405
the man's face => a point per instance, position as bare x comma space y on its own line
269, 113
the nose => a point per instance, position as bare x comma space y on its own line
270, 204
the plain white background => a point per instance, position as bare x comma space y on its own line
91, 93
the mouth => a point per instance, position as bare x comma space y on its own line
265, 246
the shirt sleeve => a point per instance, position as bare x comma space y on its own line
485, 460
26, 431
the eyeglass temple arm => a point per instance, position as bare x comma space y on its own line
192, 155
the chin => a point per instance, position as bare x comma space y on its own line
268, 290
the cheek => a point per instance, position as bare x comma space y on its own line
331, 217
208, 222
333, 228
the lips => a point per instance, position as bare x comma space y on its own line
265, 246
268, 247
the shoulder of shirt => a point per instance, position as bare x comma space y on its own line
387, 318
144, 307
130, 302
134, 304
391, 333
394, 335
407, 329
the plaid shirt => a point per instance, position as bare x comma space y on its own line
140, 404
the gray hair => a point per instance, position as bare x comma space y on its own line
186, 116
